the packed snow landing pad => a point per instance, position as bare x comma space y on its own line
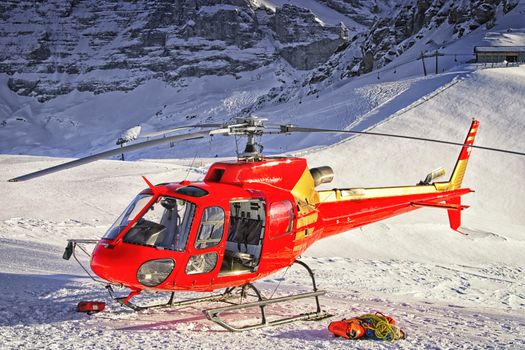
38, 310
440, 304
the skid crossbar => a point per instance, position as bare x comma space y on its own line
214, 314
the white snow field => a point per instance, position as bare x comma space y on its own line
447, 290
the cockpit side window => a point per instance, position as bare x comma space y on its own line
166, 224
211, 228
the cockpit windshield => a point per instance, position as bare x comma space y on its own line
166, 224
128, 215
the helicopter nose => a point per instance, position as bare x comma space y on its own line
102, 262
113, 264
132, 266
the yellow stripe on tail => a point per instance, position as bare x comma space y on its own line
461, 165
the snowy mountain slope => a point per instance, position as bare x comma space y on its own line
455, 54
78, 125
493, 97
101, 69
435, 282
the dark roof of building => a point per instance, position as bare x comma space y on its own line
496, 49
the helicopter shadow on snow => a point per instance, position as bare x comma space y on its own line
190, 320
305, 333
187, 318
29, 299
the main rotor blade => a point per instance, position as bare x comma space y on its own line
291, 128
169, 131
106, 154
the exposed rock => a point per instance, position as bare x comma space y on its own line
41, 53
362, 11
292, 24
309, 56
367, 64
484, 13
509, 5
304, 45
391, 36
101, 46
152, 39
22, 87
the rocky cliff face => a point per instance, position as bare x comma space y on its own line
363, 12
396, 27
50, 48
53, 47
301, 43
391, 36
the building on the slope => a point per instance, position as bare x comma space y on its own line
500, 54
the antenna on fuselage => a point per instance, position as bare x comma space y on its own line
191, 166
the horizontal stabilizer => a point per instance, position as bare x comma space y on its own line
453, 207
440, 205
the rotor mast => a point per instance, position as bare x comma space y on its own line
249, 127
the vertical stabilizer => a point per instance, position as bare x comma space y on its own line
454, 215
461, 165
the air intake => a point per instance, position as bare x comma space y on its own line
322, 175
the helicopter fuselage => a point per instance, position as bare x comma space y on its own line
244, 221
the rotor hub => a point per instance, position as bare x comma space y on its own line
249, 127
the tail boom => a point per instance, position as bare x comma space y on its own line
345, 209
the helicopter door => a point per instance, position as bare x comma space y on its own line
209, 235
245, 236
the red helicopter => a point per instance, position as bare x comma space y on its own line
246, 220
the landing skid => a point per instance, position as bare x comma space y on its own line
171, 303
237, 298
214, 314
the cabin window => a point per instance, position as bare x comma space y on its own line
166, 224
211, 228
201, 263
281, 218
192, 191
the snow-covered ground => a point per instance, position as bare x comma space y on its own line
445, 289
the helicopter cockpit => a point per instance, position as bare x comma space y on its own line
207, 229
166, 224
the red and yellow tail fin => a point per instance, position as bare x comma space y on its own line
454, 213
461, 165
